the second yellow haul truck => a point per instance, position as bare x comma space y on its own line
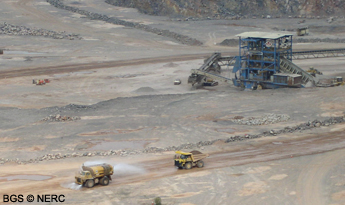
187, 160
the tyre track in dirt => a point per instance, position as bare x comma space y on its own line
269, 151
163, 166
310, 182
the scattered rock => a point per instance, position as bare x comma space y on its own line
59, 118
9, 29
199, 145
113, 20
330, 19
264, 120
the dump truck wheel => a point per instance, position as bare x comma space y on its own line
200, 164
188, 165
89, 183
104, 181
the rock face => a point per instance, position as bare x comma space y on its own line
223, 8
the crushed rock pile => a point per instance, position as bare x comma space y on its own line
10, 29
75, 107
264, 120
298, 128
144, 90
59, 118
68, 108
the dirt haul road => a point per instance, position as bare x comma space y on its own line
89, 66
309, 183
245, 155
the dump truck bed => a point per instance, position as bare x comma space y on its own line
198, 157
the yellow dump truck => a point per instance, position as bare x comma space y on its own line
187, 160
96, 174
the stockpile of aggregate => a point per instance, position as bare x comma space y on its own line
10, 29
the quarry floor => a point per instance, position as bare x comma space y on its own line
124, 77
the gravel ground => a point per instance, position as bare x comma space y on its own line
160, 117
135, 114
